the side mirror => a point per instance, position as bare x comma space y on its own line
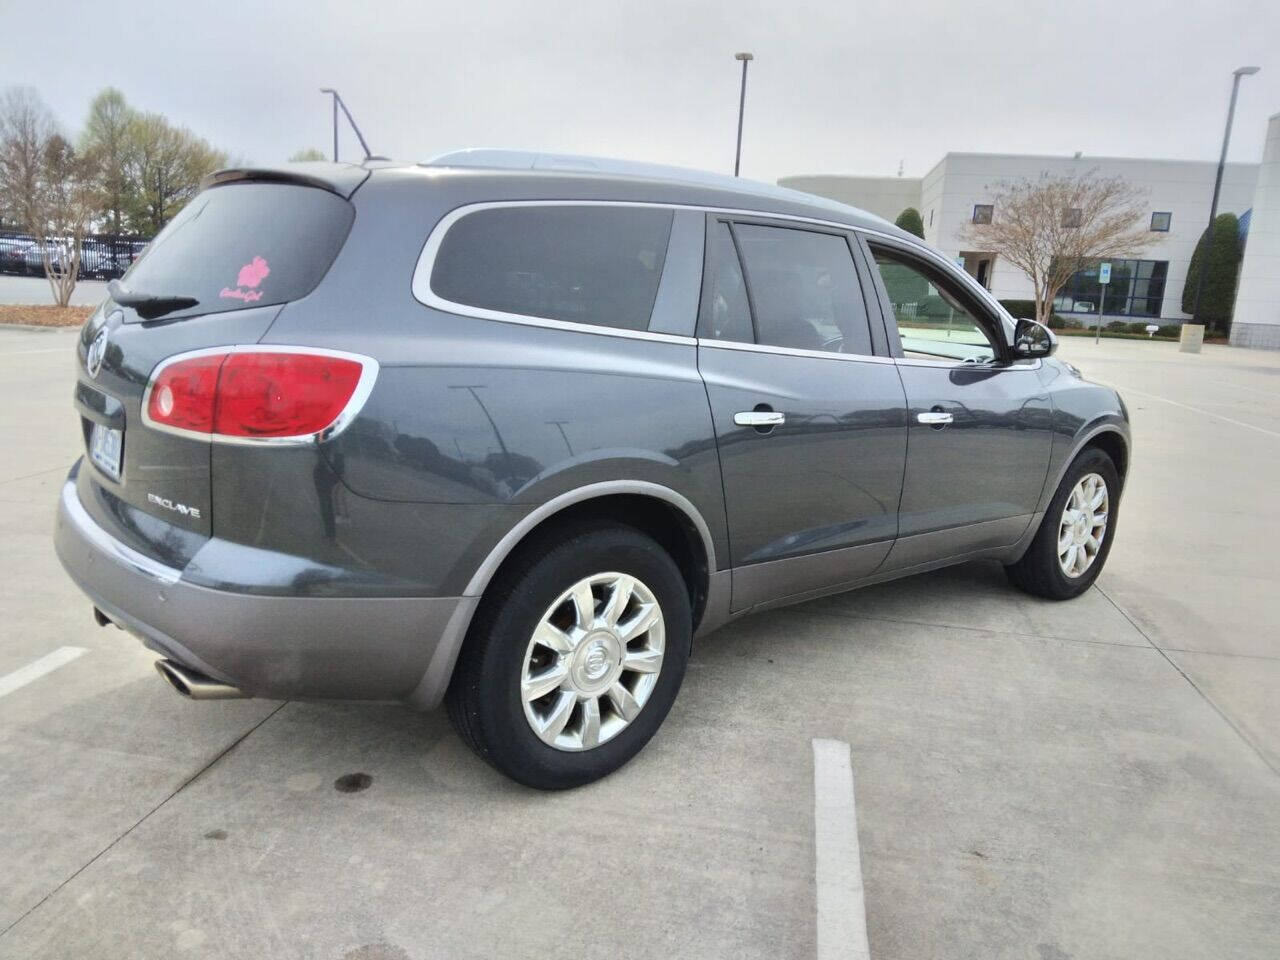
1031, 339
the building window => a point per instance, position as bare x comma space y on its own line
1072, 217
1136, 290
982, 212
931, 216
1160, 221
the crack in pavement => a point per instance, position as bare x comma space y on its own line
186, 783
1248, 741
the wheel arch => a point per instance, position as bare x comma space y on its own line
656, 510
1110, 435
1114, 444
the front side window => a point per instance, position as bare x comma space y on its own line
582, 264
804, 289
982, 212
933, 320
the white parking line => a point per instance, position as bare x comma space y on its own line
842, 916
1187, 406
34, 671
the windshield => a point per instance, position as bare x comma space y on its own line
244, 245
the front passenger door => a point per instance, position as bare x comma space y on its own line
979, 420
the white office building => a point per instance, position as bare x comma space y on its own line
960, 189
1256, 322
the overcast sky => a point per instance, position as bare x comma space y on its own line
841, 87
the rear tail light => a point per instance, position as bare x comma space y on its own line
258, 394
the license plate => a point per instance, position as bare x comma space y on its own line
105, 445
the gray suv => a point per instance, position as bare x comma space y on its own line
508, 431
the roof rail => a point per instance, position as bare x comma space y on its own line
504, 159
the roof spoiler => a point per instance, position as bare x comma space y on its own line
339, 178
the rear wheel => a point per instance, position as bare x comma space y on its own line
574, 659
1075, 536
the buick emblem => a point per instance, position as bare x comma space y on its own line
597, 661
94, 355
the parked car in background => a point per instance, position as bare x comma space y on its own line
13, 254
514, 434
59, 253
107, 259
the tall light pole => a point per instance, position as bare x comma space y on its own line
742, 103
1217, 184
338, 102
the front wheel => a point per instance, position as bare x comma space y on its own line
1076, 534
574, 659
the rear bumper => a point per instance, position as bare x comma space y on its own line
362, 648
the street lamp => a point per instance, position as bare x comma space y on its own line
1217, 183
338, 102
742, 102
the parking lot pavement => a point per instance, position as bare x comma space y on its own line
1090, 779
28, 290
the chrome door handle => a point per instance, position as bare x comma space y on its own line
935, 418
759, 418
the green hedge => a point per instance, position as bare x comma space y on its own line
1020, 309
1219, 296
910, 221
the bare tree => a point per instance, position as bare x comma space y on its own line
1052, 227
45, 186
26, 126
70, 200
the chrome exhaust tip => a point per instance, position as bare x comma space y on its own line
196, 686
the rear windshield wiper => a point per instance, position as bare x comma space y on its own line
148, 305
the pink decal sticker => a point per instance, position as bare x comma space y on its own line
251, 274
248, 296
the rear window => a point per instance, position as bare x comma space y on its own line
245, 245
583, 264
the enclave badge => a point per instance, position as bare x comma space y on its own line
182, 508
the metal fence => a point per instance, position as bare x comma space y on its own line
102, 256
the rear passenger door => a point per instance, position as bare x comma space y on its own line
810, 422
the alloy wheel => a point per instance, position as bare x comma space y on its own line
593, 661
1083, 526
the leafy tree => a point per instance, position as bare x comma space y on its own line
106, 144
167, 164
311, 153
1217, 300
1052, 227
910, 221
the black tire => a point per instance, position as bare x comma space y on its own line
484, 698
1038, 572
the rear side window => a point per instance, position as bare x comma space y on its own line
725, 313
582, 264
245, 245
804, 289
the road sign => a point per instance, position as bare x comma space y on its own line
1104, 277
